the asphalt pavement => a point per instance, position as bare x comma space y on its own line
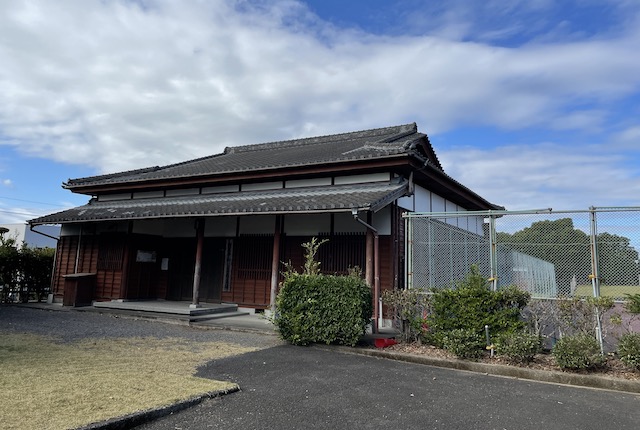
288, 387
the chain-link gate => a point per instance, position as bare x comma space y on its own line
551, 254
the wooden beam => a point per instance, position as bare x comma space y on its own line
285, 173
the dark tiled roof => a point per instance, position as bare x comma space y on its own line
337, 198
368, 144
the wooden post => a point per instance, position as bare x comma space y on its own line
369, 256
275, 263
198, 267
376, 283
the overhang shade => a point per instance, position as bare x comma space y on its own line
336, 198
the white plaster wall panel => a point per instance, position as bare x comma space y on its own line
109, 227
221, 189
381, 221
69, 230
148, 194
451, 207
262, 186
221, 226
307, 224
463, 222
344, 223
259, 224
361, 179
423, 198
479, 225
407, 203
152, 226
437, 203
312, 182
180, 227
183, 192
113, 197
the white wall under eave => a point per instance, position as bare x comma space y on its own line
185, 227
307, 224
424, 200
257, 224
344, 223
381, 221
224, 226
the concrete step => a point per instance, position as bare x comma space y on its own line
217, 315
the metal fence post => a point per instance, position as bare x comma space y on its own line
408, 247
493, 255
595, 279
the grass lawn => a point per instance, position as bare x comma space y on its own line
46, 384
615, 291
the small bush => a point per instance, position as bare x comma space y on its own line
629, 350
472, 305
518, 347
312, 307
323, 308
464, 343
408, 306
578, 352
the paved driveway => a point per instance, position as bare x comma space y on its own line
288, 387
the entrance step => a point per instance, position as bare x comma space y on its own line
217, 315
167, 307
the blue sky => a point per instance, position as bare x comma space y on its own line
532, 104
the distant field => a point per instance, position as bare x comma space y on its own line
615, 291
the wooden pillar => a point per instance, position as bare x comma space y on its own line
369, 256
198, 267
275, 263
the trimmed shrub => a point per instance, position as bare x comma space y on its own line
464, 343
323, 308
629, 350
518, 347
408, 306
578, 352
472, 305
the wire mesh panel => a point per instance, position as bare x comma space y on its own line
617, 245
546, 254
442, 250
550, 254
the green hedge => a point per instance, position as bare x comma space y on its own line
24, 271
323, 308
472, 305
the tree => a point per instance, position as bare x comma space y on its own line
569, 249
557, 242
24, 270
617, 260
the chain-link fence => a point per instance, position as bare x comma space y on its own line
551, 254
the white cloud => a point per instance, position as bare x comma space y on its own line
7, 182
545, 175
116, 85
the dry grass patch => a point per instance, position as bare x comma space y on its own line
45, 384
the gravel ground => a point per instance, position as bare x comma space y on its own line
69, 326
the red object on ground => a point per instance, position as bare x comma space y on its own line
383, 343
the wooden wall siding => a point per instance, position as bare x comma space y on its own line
342, 252
65, 262
386, 262
143, 277
398, 246
182, 257
109, 266
67, 251
108, 281
251, 271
